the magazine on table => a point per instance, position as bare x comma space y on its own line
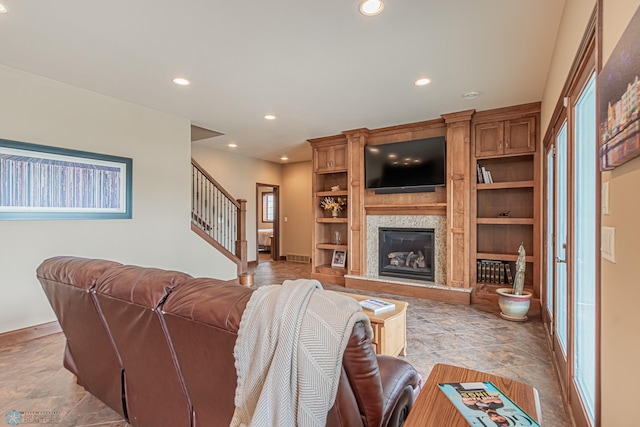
483, 404
376, 305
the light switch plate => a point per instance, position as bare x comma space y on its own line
608, 243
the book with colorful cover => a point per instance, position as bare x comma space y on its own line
376, 305
483, 404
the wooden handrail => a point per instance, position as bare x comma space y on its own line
219, 218
217, 185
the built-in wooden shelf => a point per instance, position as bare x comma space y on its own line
503, 185
331, 246
332, 220
416, 209
331, 193
501, 257
505, 221
327, 269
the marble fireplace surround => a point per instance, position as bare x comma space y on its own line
437, 222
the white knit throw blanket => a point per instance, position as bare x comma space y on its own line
288, 354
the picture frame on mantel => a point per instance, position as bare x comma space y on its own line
339, 258
40, 182
619, 95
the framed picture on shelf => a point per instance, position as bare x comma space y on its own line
339, 258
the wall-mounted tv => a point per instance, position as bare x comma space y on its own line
406, 167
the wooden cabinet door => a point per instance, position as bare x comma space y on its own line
520, 135
332, 158
489, 139
321, 159
339, 157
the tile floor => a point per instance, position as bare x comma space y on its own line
33, 380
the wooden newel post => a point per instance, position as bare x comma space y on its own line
241, 243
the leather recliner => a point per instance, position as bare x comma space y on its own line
173, 338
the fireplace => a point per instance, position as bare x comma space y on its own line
406, 253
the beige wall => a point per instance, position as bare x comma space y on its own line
620, 288
296, 206
619, 281
239, 176
38, 110
572, 26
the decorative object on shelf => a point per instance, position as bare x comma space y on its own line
335, 188
485, 174
377, 306
504, 214
333, 204
514, 303
492, 271
480, 175
339, 258
337, 237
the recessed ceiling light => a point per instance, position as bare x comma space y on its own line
181, 81
232, 145
422, 82
270, 117
470, 95
371, 7
284, 158
3, 9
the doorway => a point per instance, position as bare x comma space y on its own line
267, 222
571, 212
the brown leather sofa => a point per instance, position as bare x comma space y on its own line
157, 347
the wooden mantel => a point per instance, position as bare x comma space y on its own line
415, 209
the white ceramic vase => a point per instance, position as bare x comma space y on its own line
513, 307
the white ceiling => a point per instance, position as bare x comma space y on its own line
319, 66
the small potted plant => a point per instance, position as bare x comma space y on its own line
514, 302
333, 204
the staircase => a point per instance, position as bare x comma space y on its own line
218, 218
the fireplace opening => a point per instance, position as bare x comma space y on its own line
407, 253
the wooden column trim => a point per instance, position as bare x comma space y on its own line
357, 230
458, 197
459, 116
241, 243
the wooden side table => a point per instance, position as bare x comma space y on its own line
389, 328
434, 409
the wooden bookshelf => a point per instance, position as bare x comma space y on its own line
505, 213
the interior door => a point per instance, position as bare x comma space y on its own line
585, 256
561, 238
550, 254
267, 217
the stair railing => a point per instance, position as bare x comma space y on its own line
217, 217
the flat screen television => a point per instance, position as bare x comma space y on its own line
406, 167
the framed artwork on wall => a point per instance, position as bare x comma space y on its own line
619, 96
39, 182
